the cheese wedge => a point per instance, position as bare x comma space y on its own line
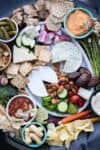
47, 74
22, 54
36, 85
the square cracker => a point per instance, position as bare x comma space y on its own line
45, 56
25, 68
12, 69
60, 7
38, 48
19, 81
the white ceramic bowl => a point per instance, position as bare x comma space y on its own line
93, 102
18, 96
16, 25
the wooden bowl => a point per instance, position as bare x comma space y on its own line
6, 47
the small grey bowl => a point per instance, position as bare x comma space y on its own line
10, 40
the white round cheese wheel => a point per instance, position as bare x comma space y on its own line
69, 53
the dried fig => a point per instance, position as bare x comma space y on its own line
84, 70
74, 75
94, 81
83, 79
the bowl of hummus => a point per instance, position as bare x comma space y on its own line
78, 23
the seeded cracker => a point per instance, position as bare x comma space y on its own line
19, 82
56, 20
51, 26
25, 68
60, 8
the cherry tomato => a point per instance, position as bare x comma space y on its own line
81, 102
74, 99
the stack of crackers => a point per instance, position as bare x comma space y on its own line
57, 12
17, 73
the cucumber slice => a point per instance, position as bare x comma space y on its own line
32, 43
63, 94
19, 41
62, 107
26, 40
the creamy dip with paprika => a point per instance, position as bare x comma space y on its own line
22, 103
79, 22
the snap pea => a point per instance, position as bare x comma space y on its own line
46, 101
52, 107
5, 33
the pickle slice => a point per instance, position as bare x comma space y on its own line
7, 28
11, 25
11, 33
1, 34
3, 23
5, 33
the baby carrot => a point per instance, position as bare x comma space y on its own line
75, 116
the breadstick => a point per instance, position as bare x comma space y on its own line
36, 130
35, 138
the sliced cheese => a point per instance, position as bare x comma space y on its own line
85, 93
36, 85
22, 54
